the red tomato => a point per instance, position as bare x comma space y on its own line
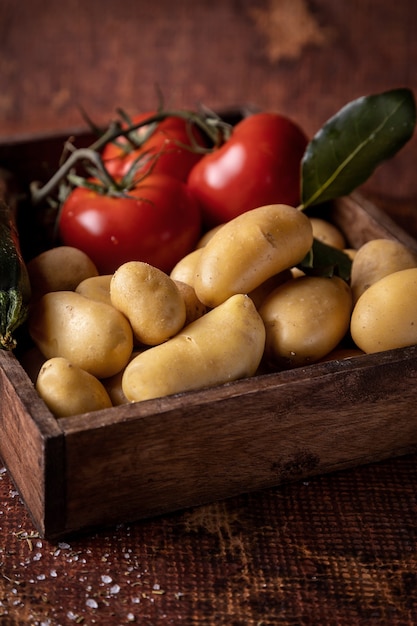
163, 151
260, 164
157, 222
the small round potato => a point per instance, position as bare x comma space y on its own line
69, 390
305, 318
327, 233
385, 315
90, 334
193, 307
96, 288
185, 268
59, 269
150, 300
378, 258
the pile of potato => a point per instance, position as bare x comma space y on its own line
234, 304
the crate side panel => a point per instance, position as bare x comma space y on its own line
214, 450
30, 439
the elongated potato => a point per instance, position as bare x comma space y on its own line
151, 301
59, 269
225, 344
385, 315
69, 390
378, 258
305, 318
249, 249
90, 334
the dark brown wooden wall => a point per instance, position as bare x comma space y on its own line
305, 58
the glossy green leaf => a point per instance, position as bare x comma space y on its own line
351, 144
325, 260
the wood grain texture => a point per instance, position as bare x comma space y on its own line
306, 58
31, 446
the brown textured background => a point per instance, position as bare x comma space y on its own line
334, 550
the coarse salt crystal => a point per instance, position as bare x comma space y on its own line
91, 603
106, 579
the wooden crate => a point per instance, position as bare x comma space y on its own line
149, 458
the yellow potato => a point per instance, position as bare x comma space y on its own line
69, 390
193, 307
250, 249
151, 301
90, 334
59, 269
378, 258
184, 270
305, 319
327, 233
385, 315
225, 344
96, 288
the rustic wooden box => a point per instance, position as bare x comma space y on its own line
162, 455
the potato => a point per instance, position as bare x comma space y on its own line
250, 249
96, 288
385, 315
90, 334
378, 258
69, 390
225, 344
327, 233
151, 301
305, 318
59, 269
184, 270
193, 307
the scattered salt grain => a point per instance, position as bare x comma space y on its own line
106, 579
115, 589
91, 603
130, 617
63, 545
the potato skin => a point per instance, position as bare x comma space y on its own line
59, 269
225, 344
69, 390
327, 233
305, 319
385, 315
90, 334
184, 270
150, 300
96, 288
249, 249
378, 258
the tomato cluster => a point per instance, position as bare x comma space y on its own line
171, 182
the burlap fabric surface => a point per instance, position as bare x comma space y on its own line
338, 549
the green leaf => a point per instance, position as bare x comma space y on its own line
351, 144
325, 260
